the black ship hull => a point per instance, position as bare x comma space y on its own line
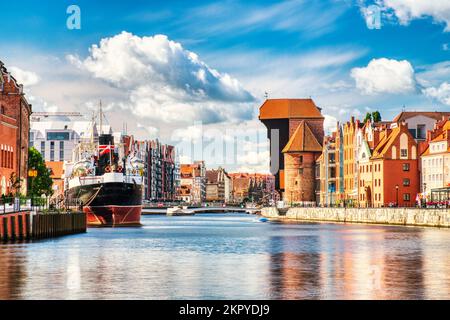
110, 204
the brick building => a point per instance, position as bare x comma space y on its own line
193, 182
215, 185
295, 130
390, 176
14, 128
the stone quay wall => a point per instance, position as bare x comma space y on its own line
390, 216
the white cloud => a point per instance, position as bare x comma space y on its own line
385, 76
441, 93
165, 82
27, 78
329, 124
407, 10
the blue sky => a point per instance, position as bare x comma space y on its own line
298, 48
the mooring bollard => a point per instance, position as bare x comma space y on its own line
13, 228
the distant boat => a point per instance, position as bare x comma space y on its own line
263, 219
179, 211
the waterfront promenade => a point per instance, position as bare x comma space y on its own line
390, 216
231, 256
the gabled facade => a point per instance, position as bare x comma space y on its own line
393, 168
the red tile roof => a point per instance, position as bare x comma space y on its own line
289, 108
303, 140
437, 115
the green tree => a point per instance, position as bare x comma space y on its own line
376, 116
368, 117
42, 183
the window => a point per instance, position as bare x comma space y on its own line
61, 151
406, 167
404, 153
406, 182
421, 132
406, 197
52, 151
43, 149
58, 135
301, 159
413, 133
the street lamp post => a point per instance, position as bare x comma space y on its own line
396, 194
424, 194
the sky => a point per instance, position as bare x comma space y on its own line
194, 73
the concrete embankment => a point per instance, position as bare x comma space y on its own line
391, 216
28, 226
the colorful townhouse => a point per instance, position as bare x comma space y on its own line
390, 177
435, 162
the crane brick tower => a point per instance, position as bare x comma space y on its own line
296, 127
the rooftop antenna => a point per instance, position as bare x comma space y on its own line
266, 95
403, 108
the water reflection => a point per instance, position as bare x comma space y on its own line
231, 257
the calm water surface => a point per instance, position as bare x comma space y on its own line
231, 256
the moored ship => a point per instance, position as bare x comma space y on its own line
106, 183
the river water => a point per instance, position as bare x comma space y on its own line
231, 256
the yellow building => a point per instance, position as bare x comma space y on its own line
349, 164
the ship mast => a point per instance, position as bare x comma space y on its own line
100, 118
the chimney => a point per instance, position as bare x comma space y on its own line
376, 138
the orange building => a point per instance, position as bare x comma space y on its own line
57, 174
8, 153
300, 155
390, 176
349, 164
295, 130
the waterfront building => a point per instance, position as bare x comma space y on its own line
391, 175
193, 182
295, 130
228, 188
240, 183
215, 185
327, 172
436, 163
56, 169
55, 134
15, 114
253, 187
339, 158
300, 155
349, 131
160, 181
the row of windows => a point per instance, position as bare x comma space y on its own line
435, 177
377, 197
6, 159
52, 150
377, 167
434, 162
377, 182
439, 147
